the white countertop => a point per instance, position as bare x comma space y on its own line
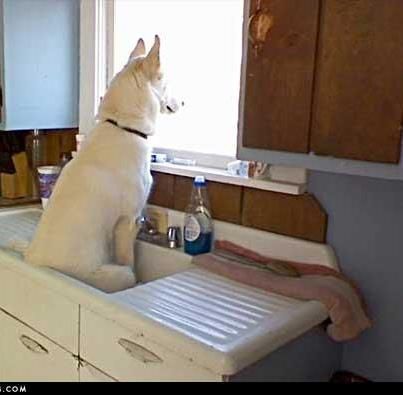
242, 323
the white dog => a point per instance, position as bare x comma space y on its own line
88, 228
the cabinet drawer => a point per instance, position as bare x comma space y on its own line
89, 373
28, 356
41, 308
128, 356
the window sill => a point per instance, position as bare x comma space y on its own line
218, 175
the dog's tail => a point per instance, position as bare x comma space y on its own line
20, 246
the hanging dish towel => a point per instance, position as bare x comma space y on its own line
341, 297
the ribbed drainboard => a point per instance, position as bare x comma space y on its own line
205, 306
18, 226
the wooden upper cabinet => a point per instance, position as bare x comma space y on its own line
358, 103
277, 83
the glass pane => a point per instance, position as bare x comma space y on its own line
201, 48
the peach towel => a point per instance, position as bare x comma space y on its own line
340, 296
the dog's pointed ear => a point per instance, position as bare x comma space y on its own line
153, 57
139, 49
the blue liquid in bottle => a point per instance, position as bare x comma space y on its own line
198, 229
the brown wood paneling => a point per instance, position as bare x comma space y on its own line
182, 191
58, 142
278, 89
225, 199
162, 190
68, 141
358, 102
298, 216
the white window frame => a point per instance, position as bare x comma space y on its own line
95, 16
96, 32
96, 66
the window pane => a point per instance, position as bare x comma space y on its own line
201, 48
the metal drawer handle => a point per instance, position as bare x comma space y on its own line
33, 345
138, 352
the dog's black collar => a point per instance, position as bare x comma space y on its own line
134, 131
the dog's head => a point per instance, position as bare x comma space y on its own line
139, 91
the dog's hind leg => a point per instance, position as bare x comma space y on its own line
113, 278
125, 232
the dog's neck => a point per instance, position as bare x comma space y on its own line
131, 105
129, 130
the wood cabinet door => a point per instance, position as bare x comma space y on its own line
26, 356
276, 92
358, 101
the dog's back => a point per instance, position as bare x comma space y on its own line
87, 229
108, 179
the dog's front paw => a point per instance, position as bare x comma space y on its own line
125, 233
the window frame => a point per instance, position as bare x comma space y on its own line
95, 43
96, 49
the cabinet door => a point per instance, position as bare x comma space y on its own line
1, 65
128, 355
49, 312
358, 103
28, 356
89, 373
41, 56
276, 92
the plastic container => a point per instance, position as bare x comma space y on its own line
36, 154
158, 158
198, 227
47, 176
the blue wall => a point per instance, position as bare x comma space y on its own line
366, 230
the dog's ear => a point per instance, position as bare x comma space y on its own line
153, 57
139, 49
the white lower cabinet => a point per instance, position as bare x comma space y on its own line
25, 355
40, 307
127, 355
89, 373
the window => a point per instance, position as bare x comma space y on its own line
201, 49
201, 53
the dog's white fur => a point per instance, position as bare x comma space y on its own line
88, 227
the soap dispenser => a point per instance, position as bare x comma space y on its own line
198, 227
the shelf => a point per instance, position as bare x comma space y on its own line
223, 176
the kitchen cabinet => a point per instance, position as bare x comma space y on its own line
48, 311
127, 355
358, 102
89, 374
321, 85
28, 356
279, 78
39, 56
